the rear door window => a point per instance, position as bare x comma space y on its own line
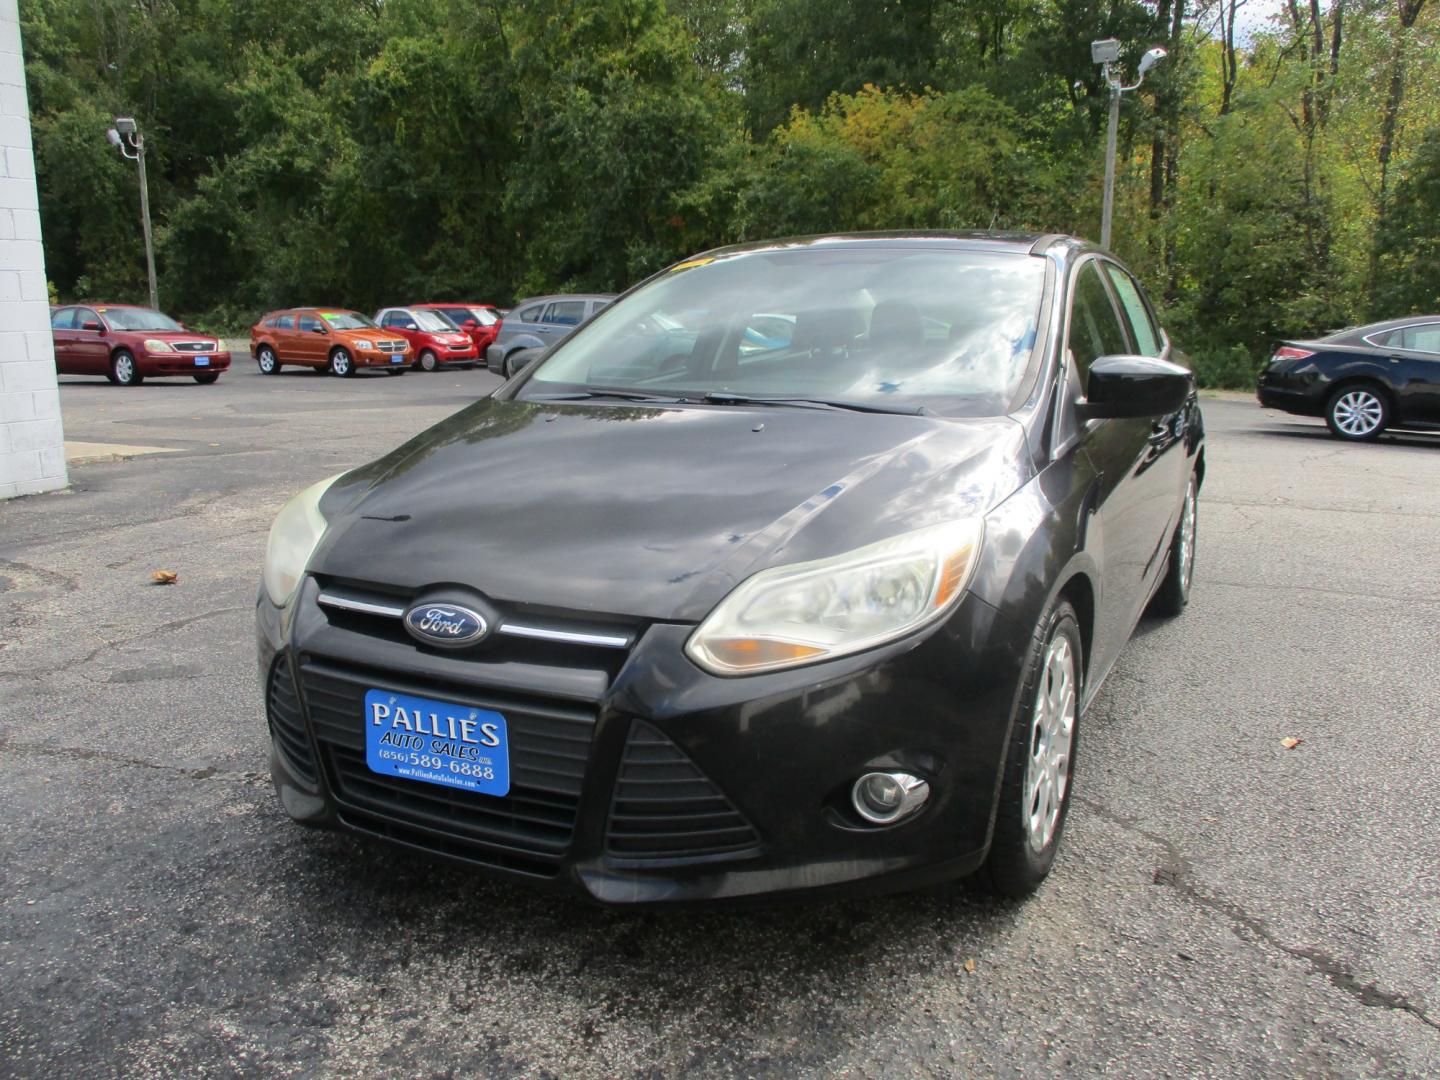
1143, 329
565, 313
64, 319
285, 322
1423, 338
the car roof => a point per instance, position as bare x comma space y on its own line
452, 303
920, 239
1357, 334
562, 296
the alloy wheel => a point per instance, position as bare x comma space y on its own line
1358, 413
1187, 538
1052, 733
340, 362
427, 361
124, 369
267, 361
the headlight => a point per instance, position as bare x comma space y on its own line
297, 529
362, 343
156, 345
800, 614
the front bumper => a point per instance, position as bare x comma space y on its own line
376, 358
762, 765
156, 364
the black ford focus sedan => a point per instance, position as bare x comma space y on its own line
792, 571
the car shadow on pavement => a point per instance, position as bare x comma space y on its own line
713, 968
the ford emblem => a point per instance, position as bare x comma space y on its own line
451, 626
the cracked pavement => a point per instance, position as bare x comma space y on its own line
1223, 906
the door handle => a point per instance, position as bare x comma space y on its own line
1393, 359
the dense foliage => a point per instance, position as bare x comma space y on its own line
373, 151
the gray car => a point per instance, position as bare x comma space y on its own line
536, 324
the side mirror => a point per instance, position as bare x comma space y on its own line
92, 325
1134, 387
321, 329
411, 326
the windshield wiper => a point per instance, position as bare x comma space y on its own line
721, 397
618, 395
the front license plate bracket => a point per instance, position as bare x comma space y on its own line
437, 742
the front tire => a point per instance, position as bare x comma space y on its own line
1174, 592
207, 379
1039, 764
427, 361
123, 369
342, 363
1357, 413
268, 361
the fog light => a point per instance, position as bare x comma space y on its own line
882, 798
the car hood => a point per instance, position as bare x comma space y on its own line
651, 512
170, 335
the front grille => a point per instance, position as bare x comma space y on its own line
287, 723
528, 830
548, 639
391, 346
193, 346
459, 348
666, 808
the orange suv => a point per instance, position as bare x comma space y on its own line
331, 339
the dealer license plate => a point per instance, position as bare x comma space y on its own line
437, 742
398, 358
202, 361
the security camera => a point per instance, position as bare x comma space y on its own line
1151, 58
113, 136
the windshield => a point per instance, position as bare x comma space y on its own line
950, 330
138, 319
347, 320
432, 321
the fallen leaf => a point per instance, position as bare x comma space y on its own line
970, 965
164, 577
1290, 744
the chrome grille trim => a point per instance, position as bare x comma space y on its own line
363, 607
539, 633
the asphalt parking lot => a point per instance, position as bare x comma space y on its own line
1224, 906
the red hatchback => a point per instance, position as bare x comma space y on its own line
434, 339
129, 344
480, 321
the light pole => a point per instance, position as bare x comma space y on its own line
125, 136
1106, 52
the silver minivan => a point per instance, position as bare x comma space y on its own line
537, 323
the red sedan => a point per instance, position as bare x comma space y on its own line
480, 321
129, 344
434, 339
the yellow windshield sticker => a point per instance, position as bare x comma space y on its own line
688, 264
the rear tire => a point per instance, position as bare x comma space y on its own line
342, 363
268, 361
1357, 413
1174, 592
123, 369
1039, 767
207, 379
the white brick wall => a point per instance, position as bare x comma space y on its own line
32, 444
